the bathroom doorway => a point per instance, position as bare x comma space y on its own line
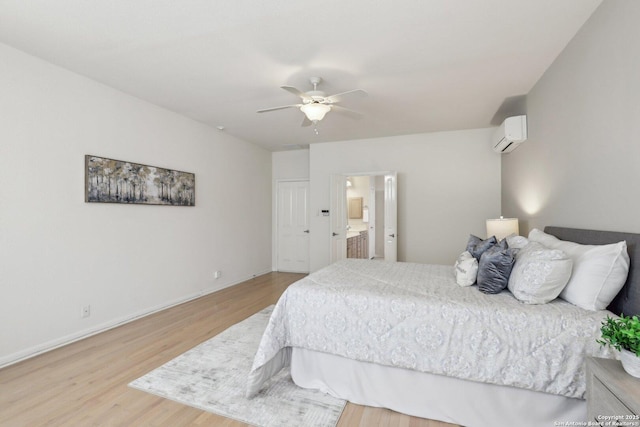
361, 218
365, 221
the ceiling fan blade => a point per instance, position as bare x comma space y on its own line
359, 93
297, 92
347, 112
279, 108
306, 122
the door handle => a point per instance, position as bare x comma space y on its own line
306, 231
392, 235
335, 234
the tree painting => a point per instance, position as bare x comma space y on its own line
115, 181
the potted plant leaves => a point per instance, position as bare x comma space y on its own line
623, 334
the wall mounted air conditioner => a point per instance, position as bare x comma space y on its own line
511, 133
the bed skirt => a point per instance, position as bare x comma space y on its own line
430, 396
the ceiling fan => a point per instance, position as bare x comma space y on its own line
315, 103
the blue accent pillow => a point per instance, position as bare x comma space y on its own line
476, 246
495, 268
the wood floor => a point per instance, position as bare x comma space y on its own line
85, 383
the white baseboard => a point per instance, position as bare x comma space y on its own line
85, 333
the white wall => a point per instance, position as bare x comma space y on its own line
448, 184
58, 253
292, 164
285, 166
579, 167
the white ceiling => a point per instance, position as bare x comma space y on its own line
428, 65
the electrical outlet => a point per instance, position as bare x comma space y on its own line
217, 274
85, 311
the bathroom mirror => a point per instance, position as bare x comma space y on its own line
355, 207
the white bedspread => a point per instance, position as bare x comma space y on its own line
415, 316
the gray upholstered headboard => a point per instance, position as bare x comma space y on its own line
628, 299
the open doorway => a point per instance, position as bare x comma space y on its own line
364, 216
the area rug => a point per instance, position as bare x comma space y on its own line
213, 377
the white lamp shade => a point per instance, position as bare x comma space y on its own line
502, 227
315, 111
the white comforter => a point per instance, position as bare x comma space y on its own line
414, 316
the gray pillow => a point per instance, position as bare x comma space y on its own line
495, 268
476, 246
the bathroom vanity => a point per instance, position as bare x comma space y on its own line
358, 244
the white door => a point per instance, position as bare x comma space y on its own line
390, 217
293, 226
338, 216
372, 217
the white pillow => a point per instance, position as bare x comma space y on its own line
466, 269
516, 242
540, 274
599, 271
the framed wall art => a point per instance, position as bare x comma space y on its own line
117, 181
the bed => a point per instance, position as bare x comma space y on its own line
406, 337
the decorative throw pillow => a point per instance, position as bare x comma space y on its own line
495, 267
599, 271
466, 269
476, 246
539, 274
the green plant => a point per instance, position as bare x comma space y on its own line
622, 332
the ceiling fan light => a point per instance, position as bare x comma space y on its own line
315, 111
